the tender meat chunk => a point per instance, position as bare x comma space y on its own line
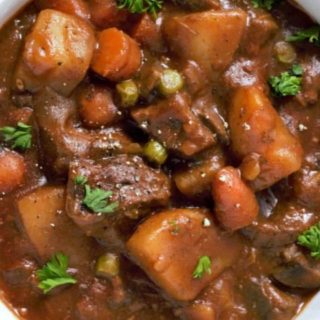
57, 53
306, 185
266, 301
169, 244
137, 188
298, 270
235, 203
173, 123
62, 140
74, 7
256, 127
261, 28
47, 226
196, 179
210, 38
286, 223
220, 300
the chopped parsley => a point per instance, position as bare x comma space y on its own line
311, 240
20, 137
96, 200
312, 35
175, 229
55, 273
264, 4
203, 266
141, 6
287, 83
80, 180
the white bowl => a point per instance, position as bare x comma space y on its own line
8, 8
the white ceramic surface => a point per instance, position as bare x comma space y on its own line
9, 7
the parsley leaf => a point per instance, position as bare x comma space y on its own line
54, 273
203, 266
288, 83
20, 136
96, 200
264, 4
80, 180
311, 34
141, 6
311, 240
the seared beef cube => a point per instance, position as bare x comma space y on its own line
136, 188
287, 222
266, 301
62, 140
298, 270
173, 123
170, 245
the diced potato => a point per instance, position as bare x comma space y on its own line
210, 38
256, 127
57, 53
49, 229
169, 245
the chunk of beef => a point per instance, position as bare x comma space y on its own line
256, 127
266, 301
306, 184
210, 38
262, 27
168, 247
173, 123
49, 229
137, 188
57, 53
298, 270
286, 223
62, 140
196, 179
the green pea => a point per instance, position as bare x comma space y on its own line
171, 81
108, 265
155, 152
285, 52
128, 92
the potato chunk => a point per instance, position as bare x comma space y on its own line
256, 127
169, 245
210, 38
57, 53
48, 227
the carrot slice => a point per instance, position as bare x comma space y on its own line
117, 57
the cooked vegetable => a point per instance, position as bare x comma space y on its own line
57, 53
312, 35
311, 240
264, 4
203, 266
12, 170
235, 204
55, 273
128, 92
117, 57
81, 180
171, 82
285, 52
155, 152
141, 6
96, 200
288, 83
108, 265
20, 137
